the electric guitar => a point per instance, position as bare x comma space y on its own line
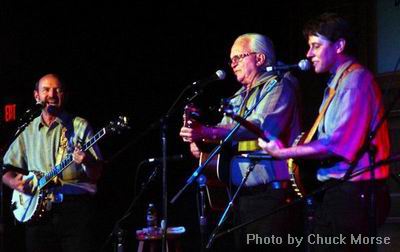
30, 208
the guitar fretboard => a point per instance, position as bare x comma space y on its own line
67, 161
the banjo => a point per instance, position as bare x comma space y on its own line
32, 207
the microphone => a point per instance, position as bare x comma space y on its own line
218, 75
303, 65
169, 158
33, 111
37, 107
40, 104
52, 109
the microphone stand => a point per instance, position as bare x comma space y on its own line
372, 202
164, 123
372, 149
223, 217
201, 180
117, 229
164, 223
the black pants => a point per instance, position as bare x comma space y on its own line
345, 211
67, 227
270, 232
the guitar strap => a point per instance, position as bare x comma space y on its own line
250, 98
66, 146
61, 150
332, 91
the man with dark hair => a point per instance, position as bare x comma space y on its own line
42, 145
332, 27
351, 109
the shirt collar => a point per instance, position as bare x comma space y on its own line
339, 72
61, 119
260, 80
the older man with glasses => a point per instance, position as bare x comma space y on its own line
277, 112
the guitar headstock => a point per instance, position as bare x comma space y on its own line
226, 108
116, 126
191, 115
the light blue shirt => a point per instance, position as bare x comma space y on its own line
278, 114
355, 110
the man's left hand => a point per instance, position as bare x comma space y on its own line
79, 156
272, 147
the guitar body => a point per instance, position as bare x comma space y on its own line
29, 208
218, 168
217, 179
211, 170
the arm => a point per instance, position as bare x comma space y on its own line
91, 160
313, 150
201, 132
16, 181
15, 157
91, 165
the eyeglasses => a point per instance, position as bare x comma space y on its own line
237, 58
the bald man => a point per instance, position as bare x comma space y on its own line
44, 143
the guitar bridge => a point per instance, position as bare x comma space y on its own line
21, 200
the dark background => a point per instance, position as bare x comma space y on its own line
135, 58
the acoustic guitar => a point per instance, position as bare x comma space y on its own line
217, 170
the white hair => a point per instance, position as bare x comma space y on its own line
261, 44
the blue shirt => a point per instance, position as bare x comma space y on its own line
355, 110
277, 114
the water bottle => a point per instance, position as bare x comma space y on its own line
151, 217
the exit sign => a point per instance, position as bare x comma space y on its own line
10, 112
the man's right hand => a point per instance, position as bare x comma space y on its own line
16, 181
195, 134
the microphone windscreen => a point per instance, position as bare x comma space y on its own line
304, 65
52, 109
40, 104
221, 74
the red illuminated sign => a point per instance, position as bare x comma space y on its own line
10, 112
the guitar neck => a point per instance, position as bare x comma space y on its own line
67, 161
250, 126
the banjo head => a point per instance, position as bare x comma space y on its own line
24, 206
